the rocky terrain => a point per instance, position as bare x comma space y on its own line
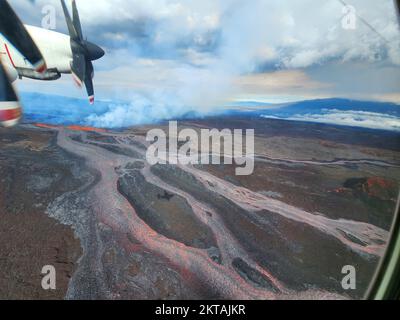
87, 202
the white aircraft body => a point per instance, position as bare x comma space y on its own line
41, 54
57, 52
55, 48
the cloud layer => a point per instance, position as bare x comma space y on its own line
246, 34
199, 54
372, 120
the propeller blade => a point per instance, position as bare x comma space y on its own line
83, 51
13, 29
10, 109
89, 81
76, 20
71, 28
78, 68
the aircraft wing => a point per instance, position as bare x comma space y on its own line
13, 29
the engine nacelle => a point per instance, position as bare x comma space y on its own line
49, 75
11, 71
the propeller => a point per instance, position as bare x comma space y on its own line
83, 52
13, 29
10, 109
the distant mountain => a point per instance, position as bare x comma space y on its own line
54, 109
251, 104
60, 110
344, 105
312, 106
367, 114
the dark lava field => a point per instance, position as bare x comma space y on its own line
321, 197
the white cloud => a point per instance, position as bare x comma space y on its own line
198, 50
304, 32
372, 120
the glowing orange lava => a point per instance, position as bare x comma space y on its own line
88, 129
72, 127
45, 126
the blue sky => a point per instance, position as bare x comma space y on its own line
200, 54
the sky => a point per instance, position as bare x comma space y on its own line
202, 54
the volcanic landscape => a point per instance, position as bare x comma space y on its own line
86, 201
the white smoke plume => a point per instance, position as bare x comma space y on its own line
170, 57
